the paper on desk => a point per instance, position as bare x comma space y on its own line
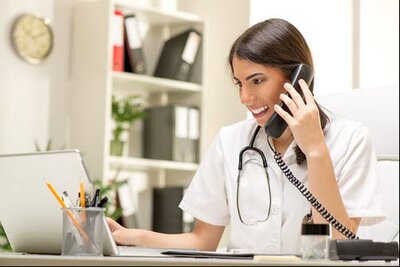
132, 251
276, 258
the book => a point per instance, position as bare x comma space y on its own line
178, 56
118, 41
135, 60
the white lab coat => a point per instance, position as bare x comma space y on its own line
211, 196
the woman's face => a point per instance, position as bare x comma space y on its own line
259, 87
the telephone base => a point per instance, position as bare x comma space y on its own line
363, 250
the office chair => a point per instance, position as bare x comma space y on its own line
378, 109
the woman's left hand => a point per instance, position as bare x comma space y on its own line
305, 122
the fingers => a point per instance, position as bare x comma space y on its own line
298, 100
309, 98
289, 103
285, 115
113, 224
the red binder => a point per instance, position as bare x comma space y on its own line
118, 41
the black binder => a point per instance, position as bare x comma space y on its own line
167, 216
172, 133
134, 59
178, 56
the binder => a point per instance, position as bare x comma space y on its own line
134, 46
167, 216
196, 74
178, 56
118, 41
172, 133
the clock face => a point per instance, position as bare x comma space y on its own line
32, 38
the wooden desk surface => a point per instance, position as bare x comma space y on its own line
11, 259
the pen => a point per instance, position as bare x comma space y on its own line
95, 200
69, 213
102, 202
78, 200
69, 204
67, 200
87, 201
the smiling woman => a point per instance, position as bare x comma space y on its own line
32, 38
266, 215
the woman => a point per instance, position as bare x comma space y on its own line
333, 157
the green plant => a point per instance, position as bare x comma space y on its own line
4, 244
48, 146
125, 111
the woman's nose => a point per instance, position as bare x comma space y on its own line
246, 97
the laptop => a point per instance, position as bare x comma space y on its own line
31, 216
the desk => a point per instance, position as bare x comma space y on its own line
54, 260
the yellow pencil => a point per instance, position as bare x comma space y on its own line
83, 202
56, 195
82, 190
69, 213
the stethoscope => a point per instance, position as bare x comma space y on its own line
251, 147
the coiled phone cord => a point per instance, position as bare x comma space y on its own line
309, 196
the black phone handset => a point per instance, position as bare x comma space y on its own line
275, 126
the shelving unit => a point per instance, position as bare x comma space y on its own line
143, 164
124, 82
156, 16
94, 83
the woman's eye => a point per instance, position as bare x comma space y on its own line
257, 81
239, 84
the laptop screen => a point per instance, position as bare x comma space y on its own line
30, 215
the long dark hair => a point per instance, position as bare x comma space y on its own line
276, 43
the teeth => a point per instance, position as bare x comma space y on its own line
259, 110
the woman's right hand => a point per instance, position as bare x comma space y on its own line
122, 235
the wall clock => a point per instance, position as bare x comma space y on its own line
32, 38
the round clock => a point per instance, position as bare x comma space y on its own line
32, 38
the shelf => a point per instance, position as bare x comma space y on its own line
150, 164
157, 16
123, 81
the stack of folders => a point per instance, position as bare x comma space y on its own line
180, 58
172, 133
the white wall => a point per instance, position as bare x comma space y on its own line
327, 27
30, 93
332, 30
34, 99
379, 43
225, 21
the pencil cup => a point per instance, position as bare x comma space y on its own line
82, 232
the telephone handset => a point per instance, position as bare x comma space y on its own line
355, 248
276, 125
